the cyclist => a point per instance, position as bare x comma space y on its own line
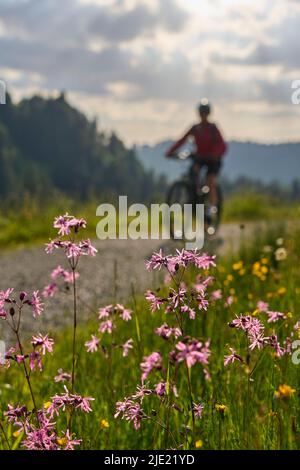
210, 147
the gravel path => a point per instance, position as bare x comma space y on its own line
118, 265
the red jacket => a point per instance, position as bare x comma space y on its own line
208, 140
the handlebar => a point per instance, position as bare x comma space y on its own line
183, 155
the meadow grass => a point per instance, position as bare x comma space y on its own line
29, 223
252, 416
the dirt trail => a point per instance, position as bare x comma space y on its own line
118, 265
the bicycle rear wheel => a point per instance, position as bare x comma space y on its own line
179, 193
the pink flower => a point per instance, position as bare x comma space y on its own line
67, 399
17, 415
67, 222
5, 297
57, 272
40, 439
274, 343
131, 411
274, 316
165, 331
35, 360
62, 376
191, 312
216, 294
177, 298
157, 260
141, 392
262, 306
231, 358
124, 312
198, 410
106, 326
154, 301
161, 388
229, 301
36, 304
127, 346
153, 361
192, 352
183, 258
87, 248
20, 358
62, 223
204, 261
69, 441
202, 303
63, 273
43, 343
202, 284
50, 290
93, 344
105, 312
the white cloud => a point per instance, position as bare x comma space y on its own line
142, 65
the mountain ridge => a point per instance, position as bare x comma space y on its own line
258, 161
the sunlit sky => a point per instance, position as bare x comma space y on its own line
141, 66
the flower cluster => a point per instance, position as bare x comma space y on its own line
11, 305
68, 400
180, 304
256, 336
68, 227
41, 436
109, 316
58, 274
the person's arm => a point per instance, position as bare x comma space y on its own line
220, 147
178, 144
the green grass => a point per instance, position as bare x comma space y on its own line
254, 418
253, 206
30, 223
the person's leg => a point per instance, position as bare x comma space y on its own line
213, 193
196, 171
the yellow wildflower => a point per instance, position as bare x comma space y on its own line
237, 266
198, 444
104, 424
62, 441
220, 408
284, 391
281, 291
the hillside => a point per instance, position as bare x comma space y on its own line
47, 146
267, 163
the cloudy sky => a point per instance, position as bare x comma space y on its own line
141, 66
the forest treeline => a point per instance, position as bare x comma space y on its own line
47, 147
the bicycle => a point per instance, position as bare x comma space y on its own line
184, 191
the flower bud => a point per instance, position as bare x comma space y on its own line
22, 296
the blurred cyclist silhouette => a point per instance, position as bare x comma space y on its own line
209, 149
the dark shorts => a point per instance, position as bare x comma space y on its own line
212, 167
